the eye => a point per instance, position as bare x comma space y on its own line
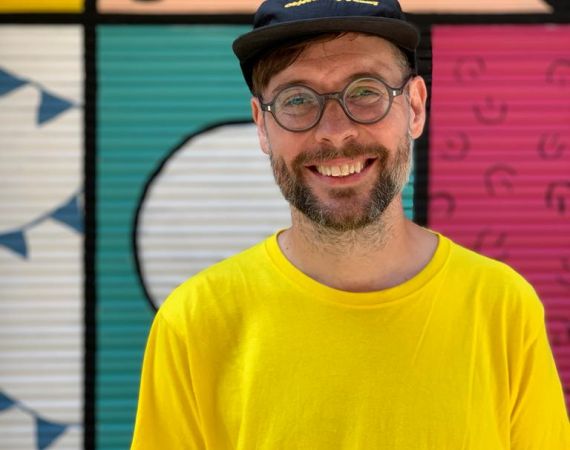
362, 91
366, 92
296, 100
364, 95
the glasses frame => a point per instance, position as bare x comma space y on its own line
393, 92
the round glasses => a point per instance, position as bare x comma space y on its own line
364, 100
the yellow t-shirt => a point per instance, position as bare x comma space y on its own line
253, 354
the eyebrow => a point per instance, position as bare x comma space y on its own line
307, 83
287, 84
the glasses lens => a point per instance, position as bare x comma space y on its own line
296, 108
367, 100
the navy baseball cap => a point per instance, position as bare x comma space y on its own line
277, 22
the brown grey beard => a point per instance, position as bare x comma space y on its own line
391, 180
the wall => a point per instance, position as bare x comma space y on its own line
128, 162
41, 237
499, 161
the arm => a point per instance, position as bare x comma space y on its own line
167, 415
538, 414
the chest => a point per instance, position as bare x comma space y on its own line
359, 383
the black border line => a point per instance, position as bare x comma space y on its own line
421, 145
90, 244
489, 19
90, 15
158, 168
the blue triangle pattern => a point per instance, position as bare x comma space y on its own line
70, 215
51, 106
5, 401
47, 432
16, 242
9, 82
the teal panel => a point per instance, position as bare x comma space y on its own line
156, 85
408, 198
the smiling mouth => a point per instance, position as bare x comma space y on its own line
342, 170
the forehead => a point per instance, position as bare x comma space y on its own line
328, 64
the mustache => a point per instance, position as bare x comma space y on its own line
326, 153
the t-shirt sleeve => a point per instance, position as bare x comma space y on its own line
539, 419
167, 415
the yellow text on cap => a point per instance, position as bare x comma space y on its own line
304, 2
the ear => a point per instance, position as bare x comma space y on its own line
259, 119
418, 98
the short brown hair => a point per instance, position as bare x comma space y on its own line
277, 60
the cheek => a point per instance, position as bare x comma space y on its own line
388, 137
393, 128
283, 143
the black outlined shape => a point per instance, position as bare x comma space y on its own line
443, 204
491, 112
469, 68
146, 191
498, 178
457, 147
69, 213
551, 146
46, 431
557, 196
559, 332
564, 277
558, 72
492, 243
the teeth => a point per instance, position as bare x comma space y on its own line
341, 171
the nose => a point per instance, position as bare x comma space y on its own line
335, 127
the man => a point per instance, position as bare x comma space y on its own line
354, 328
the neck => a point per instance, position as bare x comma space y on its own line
330, 243
381, 255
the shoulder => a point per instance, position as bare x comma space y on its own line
480, 268
214, 290
493, 283
492, 296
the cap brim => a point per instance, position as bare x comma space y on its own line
397, 31
251, 45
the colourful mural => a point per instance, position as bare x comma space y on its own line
229, 203
192, 83
500, 154
99, 223
41, 237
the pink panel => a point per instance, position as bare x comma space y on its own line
500, 155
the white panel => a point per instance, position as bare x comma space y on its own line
21, 428
41, 267
213, 198
50, 55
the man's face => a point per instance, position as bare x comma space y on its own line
342, 174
